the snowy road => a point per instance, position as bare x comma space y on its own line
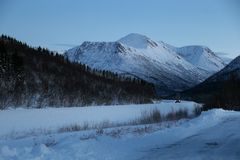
221, 141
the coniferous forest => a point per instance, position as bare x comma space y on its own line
37, 77
218, 94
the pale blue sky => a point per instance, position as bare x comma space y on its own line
61, 24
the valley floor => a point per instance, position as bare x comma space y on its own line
212, 135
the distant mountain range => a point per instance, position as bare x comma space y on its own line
169, 68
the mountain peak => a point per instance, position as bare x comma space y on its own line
202, 57
135, 36
237, 59
138, 41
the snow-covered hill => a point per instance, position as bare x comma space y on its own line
156, 62
202, 57
224, 57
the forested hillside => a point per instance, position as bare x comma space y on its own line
221, 90
37, 77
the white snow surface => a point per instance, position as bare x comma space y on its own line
156, 62
224, 57
233, 68
138, 41
202, 57
20, 121
213, 135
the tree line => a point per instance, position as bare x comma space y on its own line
217, 94
37, 77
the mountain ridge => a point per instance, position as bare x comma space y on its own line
138, 55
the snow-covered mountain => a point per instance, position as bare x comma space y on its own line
232, 69
201, 57
138, 41
169, 68
224, 57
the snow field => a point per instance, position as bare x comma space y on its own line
20, 122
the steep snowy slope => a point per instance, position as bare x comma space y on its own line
224, 57
139, 56
202, 57
233, 68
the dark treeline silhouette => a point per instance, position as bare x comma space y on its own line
217, 94
37, 77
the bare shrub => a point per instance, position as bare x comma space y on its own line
115, 133
99, 131
147, 117
182, 113
176, 115
142, 130
153, 116
197, 109
74, 127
